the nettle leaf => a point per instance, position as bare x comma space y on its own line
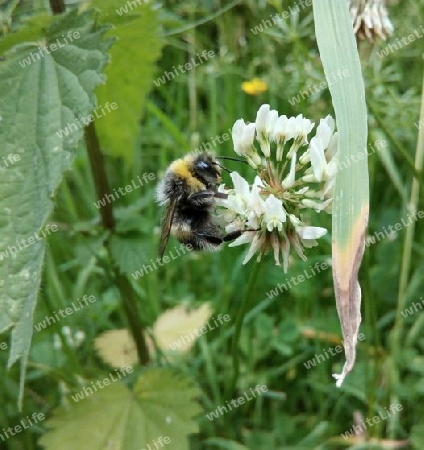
131, 74
162, 404
39, 97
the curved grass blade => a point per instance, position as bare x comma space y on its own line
337, 47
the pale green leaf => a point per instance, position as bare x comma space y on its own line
162, 405
36, 101
131, 74
337, 47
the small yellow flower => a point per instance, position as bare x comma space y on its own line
255, 86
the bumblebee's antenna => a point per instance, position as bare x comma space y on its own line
232, 159
223, 167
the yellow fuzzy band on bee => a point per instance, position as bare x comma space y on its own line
180, 169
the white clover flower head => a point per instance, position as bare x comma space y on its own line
297, 174
370, 19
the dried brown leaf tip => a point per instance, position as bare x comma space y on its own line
370, 19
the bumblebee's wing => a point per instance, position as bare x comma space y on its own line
166, 225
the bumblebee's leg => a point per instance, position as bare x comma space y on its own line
204, 241
201, 199
234, 235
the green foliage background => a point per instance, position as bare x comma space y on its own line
303, 408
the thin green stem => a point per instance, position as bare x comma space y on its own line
405, 272
128, 296
239, 322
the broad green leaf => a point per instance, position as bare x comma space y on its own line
131, 74
337, 47
162, 404
39, 96
33, 30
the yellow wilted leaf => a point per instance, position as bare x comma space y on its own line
176, 328
116, 348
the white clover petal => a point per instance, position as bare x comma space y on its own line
331, 151
245, 238
235, 225
290, 178
243, 136
270, 122
248, 136
305, 157
275, 244
275, 215
237, 134
310, 232
309, 178
318, 161
236, 204
256, 203
256, 245
290, 128
324, 133
261, 118
280, 128
316, 205
253, 221
302, 191
294, 220
241, 186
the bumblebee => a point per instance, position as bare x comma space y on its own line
189, 188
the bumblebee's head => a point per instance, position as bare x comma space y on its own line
205, 168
